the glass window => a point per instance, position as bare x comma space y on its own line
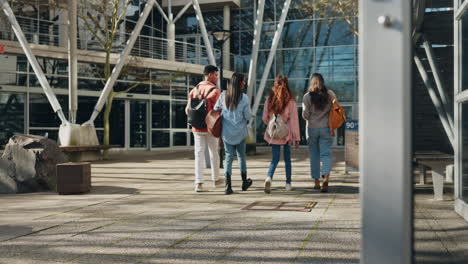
343, 88
11, 116
13, 79
179, 118
41, 113
464, 58
297, 34
335, 61
161, 114
300, 9
160, 82
295, 63
299, 87
333, 32
179, 138
464, 151
86, 106
138, 124
160, 139
179, 86
117, 123
91, 84
132, 87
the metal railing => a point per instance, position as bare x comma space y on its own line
46, 32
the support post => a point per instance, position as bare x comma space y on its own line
271, 56
206, 40
252, 81
435, 100
72, 60
33, 61
440, 87
121, 62
227, 44
385, 137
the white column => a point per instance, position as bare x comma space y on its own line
72, 60
227, 43
385, 138
252, 81
63, 28
171, 41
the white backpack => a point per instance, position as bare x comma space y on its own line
277, 128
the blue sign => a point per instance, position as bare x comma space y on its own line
352, 125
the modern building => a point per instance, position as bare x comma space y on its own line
151, 116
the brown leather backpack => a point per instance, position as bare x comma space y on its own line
213, 122
336, 117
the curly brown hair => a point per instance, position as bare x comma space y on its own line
280, 95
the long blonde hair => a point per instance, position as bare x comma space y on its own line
318, 92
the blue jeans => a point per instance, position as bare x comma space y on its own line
320, 142
275, 150
230, 151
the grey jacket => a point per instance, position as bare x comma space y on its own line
315, 118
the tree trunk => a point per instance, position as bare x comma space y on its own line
108, 109
106, 120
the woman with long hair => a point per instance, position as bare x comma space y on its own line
280, 105
316, 105
235, 111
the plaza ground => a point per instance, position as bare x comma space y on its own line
142, 209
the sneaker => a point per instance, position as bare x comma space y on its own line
268, 185
218, 183
288, 187
199, 187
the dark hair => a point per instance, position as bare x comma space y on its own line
234, 91
209, 69
280, 95
318, 91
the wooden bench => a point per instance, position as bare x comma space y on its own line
85, 153
441, 165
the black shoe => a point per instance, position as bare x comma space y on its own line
246, 183
228, 185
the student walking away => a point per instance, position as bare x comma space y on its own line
280, 116
235, 111
202, 99
316, 105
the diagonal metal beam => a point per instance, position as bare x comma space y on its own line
161, 11
271, 56
182, 12
33, 61
440, 87
209, 49
435, 100
252, 81
121, 62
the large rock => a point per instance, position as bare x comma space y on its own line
29, 164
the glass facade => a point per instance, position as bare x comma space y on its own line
151, 114
322, 42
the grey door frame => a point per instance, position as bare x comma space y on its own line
385, 49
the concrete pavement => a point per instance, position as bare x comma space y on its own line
142, 209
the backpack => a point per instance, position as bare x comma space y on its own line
336, 117
277, 128
198, 109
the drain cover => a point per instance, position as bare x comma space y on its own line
305, 206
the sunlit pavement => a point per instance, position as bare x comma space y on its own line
143, 209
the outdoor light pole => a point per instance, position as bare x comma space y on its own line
221, 36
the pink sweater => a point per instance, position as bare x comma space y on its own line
291, 118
